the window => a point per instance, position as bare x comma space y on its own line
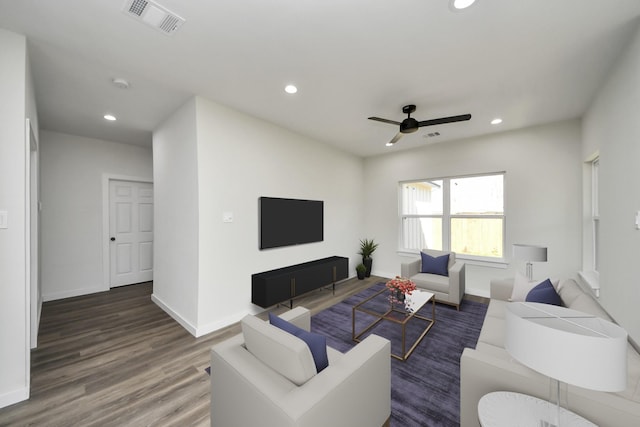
595, 213
461, 214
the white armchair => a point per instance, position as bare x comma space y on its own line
447, 289
354, 390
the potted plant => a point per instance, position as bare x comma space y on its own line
367, 247
361, 270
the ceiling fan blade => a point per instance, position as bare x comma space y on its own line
444, 120
378, 119
395, 138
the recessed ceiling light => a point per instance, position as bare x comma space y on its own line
110, 117
290, 89
389, 144
496, 121
460, 4
120, 83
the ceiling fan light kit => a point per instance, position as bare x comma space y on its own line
410, 125
460, 4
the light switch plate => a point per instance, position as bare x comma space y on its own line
227, 217
4, 219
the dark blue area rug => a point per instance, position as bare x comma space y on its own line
425, 390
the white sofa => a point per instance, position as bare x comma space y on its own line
354, 390
447, 289
489, 367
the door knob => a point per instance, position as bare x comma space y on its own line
113, 239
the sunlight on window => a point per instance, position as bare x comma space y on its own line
481, 195
422, 198
474, 221
477, 236
421, 233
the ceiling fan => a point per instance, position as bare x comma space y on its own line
410, 125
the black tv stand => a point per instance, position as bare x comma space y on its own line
276, 286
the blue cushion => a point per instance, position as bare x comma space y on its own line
435, 265
544, 293
317, 343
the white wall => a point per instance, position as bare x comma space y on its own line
542, 195
611, 126
175, 249
72, 170
15, 107
239, 158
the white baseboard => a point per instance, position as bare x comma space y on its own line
478, 292
198, 331
52, 296
14, 397
177, 317
223, 323
384, 274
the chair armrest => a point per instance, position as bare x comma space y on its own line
457, 281
355, 390
408, 269
299, 316
501, 289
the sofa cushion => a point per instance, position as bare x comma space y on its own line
544, 293
316, 342
586, 304
286, 354
496, 308
493, 331
435, 265
575, 298
569, 291
632, 391
522, 286
432, 282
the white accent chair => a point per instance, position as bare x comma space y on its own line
354, 390
447, 289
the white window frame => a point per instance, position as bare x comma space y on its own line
446, 218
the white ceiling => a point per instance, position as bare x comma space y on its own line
527, 61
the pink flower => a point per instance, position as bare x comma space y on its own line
401, 284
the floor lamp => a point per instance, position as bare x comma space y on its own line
529, 253
568, 346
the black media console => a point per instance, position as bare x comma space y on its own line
275, 286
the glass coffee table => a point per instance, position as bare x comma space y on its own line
377, 310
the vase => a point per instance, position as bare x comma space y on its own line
368, 262
399, 296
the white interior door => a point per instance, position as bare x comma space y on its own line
131, 232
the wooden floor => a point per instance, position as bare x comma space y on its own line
116, 359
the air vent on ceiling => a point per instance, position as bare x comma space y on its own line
154, 15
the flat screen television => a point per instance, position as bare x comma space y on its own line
287, 222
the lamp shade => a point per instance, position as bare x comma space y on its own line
567, 345
530, 252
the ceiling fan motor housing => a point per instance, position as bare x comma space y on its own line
409, 125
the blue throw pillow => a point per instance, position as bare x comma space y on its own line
544, 293
435, 265
317, 343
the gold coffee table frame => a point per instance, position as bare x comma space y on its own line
397, 313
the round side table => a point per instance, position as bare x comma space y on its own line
509, 409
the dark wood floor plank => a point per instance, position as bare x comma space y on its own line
116, 359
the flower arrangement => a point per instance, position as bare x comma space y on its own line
399, 287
